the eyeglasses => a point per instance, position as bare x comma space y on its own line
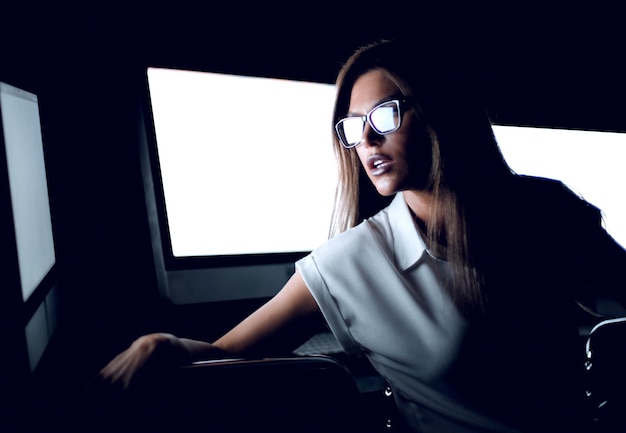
384, 118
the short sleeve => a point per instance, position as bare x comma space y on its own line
327, 303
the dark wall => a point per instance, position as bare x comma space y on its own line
87, 85
547, 67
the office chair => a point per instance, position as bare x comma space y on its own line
296, 394
605, 370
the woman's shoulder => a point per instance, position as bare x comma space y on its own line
536, 184
551, 201
547, 191
362, 232
373, 231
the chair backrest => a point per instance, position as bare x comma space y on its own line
605, 366
297, 394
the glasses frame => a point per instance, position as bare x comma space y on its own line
368, 118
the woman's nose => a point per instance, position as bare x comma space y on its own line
371, 137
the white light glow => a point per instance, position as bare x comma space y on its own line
247, 163
590, 162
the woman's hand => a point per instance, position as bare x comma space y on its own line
279, 326
154, 350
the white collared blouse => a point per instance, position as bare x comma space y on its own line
382, 294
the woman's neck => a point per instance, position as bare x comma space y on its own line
420, 203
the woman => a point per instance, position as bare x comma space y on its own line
463, 290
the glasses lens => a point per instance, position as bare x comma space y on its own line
351, 130
385, 118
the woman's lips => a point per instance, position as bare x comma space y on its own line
379, 164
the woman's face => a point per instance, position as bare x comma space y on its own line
396, 161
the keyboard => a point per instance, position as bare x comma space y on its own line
323, 343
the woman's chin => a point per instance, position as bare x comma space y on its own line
385, 188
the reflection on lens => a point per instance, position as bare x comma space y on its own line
353, 129
384, 118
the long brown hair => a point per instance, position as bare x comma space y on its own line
467, 166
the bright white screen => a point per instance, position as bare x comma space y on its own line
247, 163
28, 186
590, 162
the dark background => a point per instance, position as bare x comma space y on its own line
543, 65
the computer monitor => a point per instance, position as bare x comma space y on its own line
28, 249
23, 147
243, 177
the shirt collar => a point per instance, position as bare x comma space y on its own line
408, 246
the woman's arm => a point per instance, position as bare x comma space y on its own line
279, 326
